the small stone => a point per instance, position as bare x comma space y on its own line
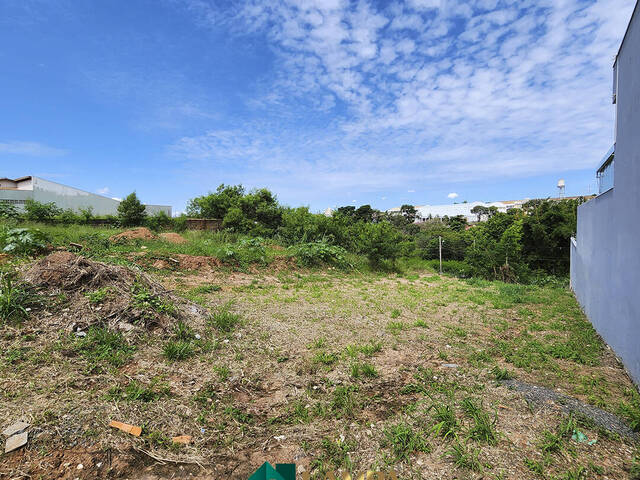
450, 365
280, 437
80, 466
15, 428
16, 441
81, 334
198, 337
99, 464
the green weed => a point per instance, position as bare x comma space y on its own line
225, 320
404, 440
101, 345
176, 350
464, 456
136, 391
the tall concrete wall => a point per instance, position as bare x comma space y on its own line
605, 261
65, 197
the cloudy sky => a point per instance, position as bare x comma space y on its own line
326, 102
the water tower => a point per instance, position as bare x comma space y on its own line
561, 187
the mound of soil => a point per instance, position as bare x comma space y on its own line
124, 299
173, 238
140, 233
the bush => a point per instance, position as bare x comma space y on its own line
159, 221
8, 210
131, 211
41, 212
320, 253
22, 241
379, 242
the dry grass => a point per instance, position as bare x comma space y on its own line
328, 370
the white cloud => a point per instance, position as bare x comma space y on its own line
519, 90
103, 191
33, 149
410, 191
453, 195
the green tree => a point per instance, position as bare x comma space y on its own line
379, 242
131, 212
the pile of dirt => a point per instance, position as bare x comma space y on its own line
140, 233
173, 238
68, 271
98, 293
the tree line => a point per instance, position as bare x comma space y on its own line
520, 245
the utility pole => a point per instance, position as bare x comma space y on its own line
440, 249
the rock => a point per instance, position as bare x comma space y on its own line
16, 441
15, 428
450, 365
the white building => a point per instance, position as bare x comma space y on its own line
17, 191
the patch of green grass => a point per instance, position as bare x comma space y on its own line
631, 409
456, 331
363, 369
343, 402
334, 456
177, 350
102, 346
577, 473
136, 391
447, 424
483, 426
395, 313
634, 472
420, 324
404, 440
500, 374
143, 299
325, 358
225, 320
536, 466
100, 295
319, 342
550, 442
16, 299
222, 371
464, 456
203, 289
371, 348
182, 331
396, 327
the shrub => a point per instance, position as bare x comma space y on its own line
379, 242
159, 221
41, 212
319, 253
131, 211
22, 241
8, 210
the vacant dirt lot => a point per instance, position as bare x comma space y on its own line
332, 371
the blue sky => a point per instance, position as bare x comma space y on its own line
325, 102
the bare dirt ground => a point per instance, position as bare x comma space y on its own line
332, 371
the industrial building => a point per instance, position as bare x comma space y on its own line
17, 191
605, 257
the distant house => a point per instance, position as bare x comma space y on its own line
605, 255
17, 191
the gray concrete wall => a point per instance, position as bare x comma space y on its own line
605, 261
65, 197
